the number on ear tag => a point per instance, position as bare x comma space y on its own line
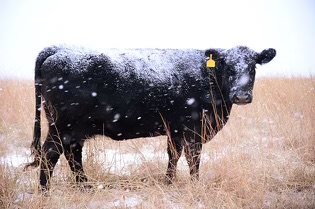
210, 62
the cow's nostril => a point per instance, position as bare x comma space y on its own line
243, 98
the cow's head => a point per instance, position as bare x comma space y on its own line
235, 71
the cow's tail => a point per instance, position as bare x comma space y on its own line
36, 144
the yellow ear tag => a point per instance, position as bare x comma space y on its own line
210, 62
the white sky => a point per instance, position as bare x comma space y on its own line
26, 27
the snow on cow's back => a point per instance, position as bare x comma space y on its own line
69, 58
156, 64
152, 64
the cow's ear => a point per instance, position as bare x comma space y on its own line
266, 56
216, 53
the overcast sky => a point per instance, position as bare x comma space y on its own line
26, 27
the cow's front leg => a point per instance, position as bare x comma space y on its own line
73, 154
192, 149
174, 151
51, 152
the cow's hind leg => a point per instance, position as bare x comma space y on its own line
73, 154
51, 151
192, 149
174, 151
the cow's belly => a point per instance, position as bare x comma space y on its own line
120, 124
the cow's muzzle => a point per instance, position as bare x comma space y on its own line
242, 99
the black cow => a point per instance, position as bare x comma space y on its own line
133, 93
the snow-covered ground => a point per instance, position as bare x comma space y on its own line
16, 158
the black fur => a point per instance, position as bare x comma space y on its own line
127, 94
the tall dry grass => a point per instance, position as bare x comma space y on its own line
263, 158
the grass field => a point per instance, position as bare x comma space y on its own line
263, 158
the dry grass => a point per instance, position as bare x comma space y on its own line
263, 158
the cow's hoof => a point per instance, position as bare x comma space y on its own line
169, 180
44, 190
85, 187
